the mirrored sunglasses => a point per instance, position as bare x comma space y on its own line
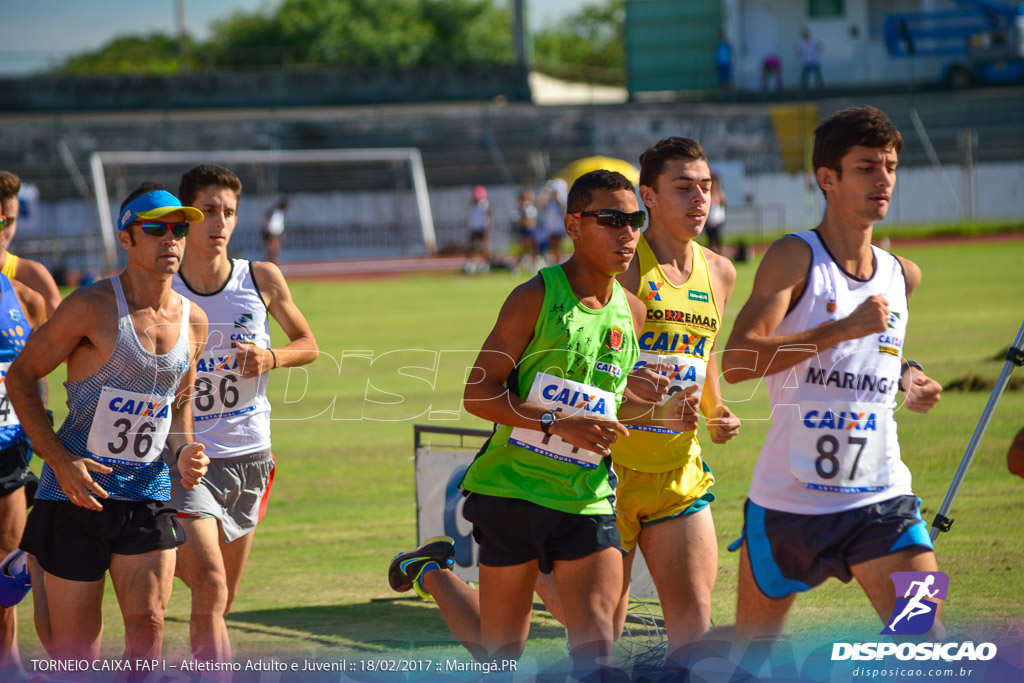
613, 218
158, 229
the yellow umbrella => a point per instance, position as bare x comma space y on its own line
587, 164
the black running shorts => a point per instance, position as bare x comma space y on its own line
76, 544
512, 531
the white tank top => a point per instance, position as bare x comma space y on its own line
832, 445
231, 413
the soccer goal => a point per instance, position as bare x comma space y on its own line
342, 203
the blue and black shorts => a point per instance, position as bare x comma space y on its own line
791, 553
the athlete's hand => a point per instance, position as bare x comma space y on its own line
870, 317
73, 476
723, 425
922, 392
648, 384
253, 360
680, 412
192, 464
588, 433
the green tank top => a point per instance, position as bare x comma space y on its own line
577, 360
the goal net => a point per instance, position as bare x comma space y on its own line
342, 203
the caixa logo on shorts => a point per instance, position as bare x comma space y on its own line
916, 593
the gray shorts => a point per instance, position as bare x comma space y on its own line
234, 491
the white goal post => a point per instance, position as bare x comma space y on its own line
408, 155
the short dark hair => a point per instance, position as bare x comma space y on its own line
652, 161
204, 175
582, 190
10, 185
848, 128
144, 188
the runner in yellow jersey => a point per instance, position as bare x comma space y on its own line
663, 497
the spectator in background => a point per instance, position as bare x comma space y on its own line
525, 221
716, 214
30, 273
810, 51
273, 230
479, 223
771, 68
1015, 456
553, 202
723, 65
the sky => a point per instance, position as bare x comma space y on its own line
38, 33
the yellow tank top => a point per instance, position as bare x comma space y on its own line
10, 267
681, 326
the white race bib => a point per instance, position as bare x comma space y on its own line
220, 391
685, 372
128, 427
566, 397
840, 446
8, 418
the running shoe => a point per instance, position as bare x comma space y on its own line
407, 568
15, 581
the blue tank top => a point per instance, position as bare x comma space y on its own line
14, 330
136, 388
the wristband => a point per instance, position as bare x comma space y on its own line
907, 364
273, 355
177, 453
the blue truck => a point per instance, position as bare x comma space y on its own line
984, 40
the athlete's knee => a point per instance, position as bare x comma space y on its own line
144, 627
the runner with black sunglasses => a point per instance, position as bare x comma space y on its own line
131, 345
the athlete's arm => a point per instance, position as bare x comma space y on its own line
922, 392
486, 395
32, 304
192, 462
47, 347
301, 347
753, 353
38, 278
722, 424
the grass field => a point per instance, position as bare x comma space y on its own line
343, 501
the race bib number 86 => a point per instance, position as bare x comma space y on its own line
128, 427
840, 447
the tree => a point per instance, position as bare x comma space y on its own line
587, 45
385, 33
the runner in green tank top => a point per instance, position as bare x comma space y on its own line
550, 376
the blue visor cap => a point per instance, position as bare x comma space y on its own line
155, 205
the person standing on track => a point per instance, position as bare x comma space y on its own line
230, 406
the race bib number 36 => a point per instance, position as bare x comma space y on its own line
566, 397
840, 446
219, 390
129, 428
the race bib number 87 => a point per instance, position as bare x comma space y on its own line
565, 397
129, 428
840, 447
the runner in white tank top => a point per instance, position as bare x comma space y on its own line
232, 414
825, 325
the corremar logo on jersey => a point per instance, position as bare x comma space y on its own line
915, 609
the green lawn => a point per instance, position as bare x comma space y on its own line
343, 501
